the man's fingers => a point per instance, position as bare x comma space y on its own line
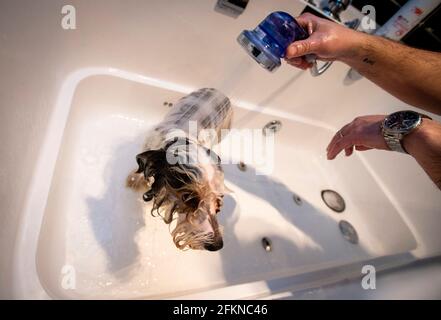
299, 62
307, 21
344, 131
334, 139
363, 133
309, 27
337, 147
308, 46
348, 151
362, 148
295, 61
301, 48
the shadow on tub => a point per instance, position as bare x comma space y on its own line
245, 256
118, 215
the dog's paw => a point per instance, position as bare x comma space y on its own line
137, 182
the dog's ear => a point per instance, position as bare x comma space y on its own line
150, 162
143, 160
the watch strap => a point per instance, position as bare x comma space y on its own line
394, 142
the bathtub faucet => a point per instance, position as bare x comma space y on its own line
231, 7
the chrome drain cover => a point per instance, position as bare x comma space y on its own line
297, 199
348, 231
266, 244
242, 166
333, 200
272, 127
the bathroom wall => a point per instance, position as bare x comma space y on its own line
182, 41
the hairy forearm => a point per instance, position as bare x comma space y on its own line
411, 75
424, 144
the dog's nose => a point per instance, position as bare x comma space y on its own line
214, 246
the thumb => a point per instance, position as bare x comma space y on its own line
300, 48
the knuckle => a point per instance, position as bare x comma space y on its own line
306, 15
304, 47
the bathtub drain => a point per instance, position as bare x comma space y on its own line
333, 200
266, 243
297, 199
242, 166
272, 127
348, 231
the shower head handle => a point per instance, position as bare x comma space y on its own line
268, 42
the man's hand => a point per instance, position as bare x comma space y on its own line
328, 40
364, 133
411, 75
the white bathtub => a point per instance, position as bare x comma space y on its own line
93, 226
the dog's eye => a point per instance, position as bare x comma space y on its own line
185, 196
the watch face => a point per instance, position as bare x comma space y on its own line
402, 121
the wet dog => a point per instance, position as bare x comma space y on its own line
179, 172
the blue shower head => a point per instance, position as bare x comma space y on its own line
267, 43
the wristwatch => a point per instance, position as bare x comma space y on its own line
399, 124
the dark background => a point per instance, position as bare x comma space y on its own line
427, 35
